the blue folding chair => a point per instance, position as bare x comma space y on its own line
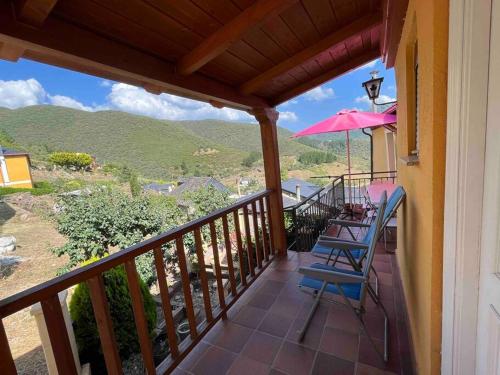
352, 285
324, 248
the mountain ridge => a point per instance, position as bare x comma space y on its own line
156, 148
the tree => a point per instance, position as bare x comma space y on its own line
120, 309
251, 159
205, 201
104, 219
316, 157
184, 168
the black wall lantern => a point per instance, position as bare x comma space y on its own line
373, 85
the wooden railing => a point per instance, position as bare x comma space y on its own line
248, 249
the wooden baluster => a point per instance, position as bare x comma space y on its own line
104, 325
203, 274
7, 365
249, 241
229, 255
239, 244
269, 219
186, 286
218, 271
141, 322
58, 335
165, 302
258, 245
265, 237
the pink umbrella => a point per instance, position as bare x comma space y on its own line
347, 120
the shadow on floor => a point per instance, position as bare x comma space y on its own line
32, 362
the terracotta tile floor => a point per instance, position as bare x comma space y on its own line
260, 334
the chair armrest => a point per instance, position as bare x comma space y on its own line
349, 223
342, 244
331, 276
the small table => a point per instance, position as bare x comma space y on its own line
376, 189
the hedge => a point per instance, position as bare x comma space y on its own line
71, 159
120, 306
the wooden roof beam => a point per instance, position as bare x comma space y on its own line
11, 52
231, 32
33, 12
336, 38
325, 77
93, 54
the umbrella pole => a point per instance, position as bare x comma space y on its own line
349, 167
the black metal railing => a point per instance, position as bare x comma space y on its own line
308, 219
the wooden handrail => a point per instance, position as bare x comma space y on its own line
50, 288
92, 274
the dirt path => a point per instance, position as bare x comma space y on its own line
35, 236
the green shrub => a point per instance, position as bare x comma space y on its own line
76, 160
316, 157
72, 185
251, 159
117, 293
42, 188
94, 224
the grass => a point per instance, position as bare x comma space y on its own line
40, 188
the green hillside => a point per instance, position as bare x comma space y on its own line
242, 136
155, 148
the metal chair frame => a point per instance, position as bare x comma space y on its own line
338, 277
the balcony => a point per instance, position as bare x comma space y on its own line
242, 316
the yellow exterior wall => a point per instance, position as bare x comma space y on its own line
379, 150
19, 170
420, 220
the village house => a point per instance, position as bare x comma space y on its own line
15, 169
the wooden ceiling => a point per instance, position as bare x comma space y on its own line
237, 53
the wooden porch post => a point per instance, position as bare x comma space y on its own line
267, 118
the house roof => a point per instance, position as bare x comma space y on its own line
392, 109
236, 53
9, 151
287, 202
196, 183
158, 187
306, 188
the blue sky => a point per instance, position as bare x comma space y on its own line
28, 83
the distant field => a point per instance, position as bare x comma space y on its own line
155, 148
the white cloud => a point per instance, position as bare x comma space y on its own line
23, 93
288, 116
127, 98
367, 102
319, 93
105, 83
15, 94
66, 101
136, 100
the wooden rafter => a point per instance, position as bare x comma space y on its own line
393, 21
336, 38
93, 54
353, 63
10, 52
33, 12
231, 32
